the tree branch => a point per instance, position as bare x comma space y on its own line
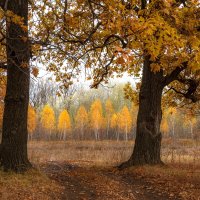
192, 97
124, 43
174, 74
190, 92
193, 85
82, 42
102, 75
105, 72
92, 32
92, 10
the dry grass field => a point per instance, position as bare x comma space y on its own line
32, 185
85, 170
111, 153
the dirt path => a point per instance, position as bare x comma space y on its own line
91, 183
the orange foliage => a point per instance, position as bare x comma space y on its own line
32, 120
114, 121
125, 121
81, 119
48, 118
109, 111
64, 124
164, 127
96, 117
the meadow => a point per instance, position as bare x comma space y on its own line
74, 170
111, 153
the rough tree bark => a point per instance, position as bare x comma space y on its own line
14, 137
148, 136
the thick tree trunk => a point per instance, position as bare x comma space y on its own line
14, 138
148, 136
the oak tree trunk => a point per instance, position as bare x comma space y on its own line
14, 137
148, 135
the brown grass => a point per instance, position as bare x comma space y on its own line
179, 178
99, 153
110, 153
31, 185
176, 182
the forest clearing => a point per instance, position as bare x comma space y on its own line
111, 153
88, 170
